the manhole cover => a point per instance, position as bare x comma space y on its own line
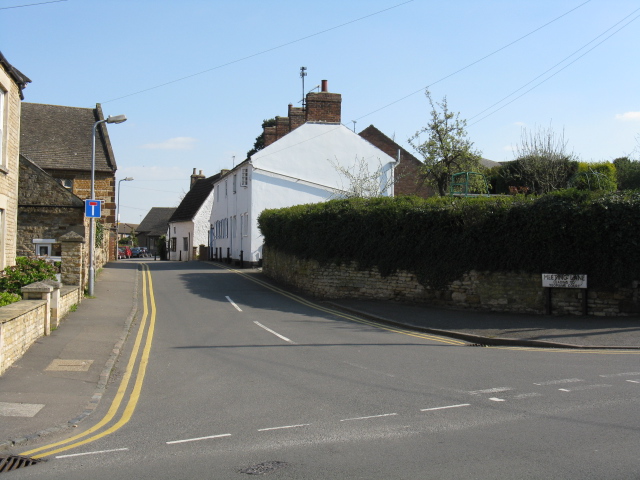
13, 462
263, 468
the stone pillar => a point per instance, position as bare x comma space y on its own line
40, 291
73, 271
55, 301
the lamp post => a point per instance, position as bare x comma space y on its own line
127, 179
92, 239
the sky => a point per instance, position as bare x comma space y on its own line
196, 78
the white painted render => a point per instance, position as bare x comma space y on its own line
196, 231
294, 170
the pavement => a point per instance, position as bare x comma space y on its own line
41, 395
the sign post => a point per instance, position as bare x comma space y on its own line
559, 280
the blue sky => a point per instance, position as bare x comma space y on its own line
196, 78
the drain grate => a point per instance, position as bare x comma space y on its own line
263, 468
13, 462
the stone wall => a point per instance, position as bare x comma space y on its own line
493, 291
21, 324
69, 296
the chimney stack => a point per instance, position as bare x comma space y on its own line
195, 177
324, 106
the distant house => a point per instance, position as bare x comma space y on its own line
153, 226
58, 140
127, 230
12, 82
408, 178
300, 164
46, 211
189, 224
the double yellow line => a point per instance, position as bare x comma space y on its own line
337, 313
142, 349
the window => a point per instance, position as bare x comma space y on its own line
47, 247
226, 188
66, 183
3, 160
244, 180
245, 226
235, 181
173, 244
185, 243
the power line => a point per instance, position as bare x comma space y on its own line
32, 4
554, 74
475, 62
261, 52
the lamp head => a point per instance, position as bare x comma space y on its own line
127, 179
117, 119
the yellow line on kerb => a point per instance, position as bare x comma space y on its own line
134, 396
347, 316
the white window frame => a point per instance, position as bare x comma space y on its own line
244, 179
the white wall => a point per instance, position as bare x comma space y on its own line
181, 229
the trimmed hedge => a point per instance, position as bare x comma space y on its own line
440, 238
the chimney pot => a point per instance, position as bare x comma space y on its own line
325, 87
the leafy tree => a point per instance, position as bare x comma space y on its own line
594, 176
542, 162
447, 149
628, 173
259, 143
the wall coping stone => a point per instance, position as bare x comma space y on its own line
71, 237
13, 310
37, 287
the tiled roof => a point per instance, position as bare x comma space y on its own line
156, 222
59, 138
194, 199
20, 78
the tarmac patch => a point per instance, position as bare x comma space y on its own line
19, 409
60, 365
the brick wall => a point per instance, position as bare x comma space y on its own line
499, 292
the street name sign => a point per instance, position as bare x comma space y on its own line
560, 280
92, 208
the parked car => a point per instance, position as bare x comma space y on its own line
140, 252
135, 251
124, 252
144, 252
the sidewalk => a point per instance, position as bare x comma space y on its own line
490, 328
41, 394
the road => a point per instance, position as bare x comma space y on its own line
226, 376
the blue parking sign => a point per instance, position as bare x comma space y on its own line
92, 208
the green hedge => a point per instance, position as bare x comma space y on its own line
440, 238
24, 272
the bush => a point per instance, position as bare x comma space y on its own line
24, 272
595, 176
7, 298
628, 173
440, 238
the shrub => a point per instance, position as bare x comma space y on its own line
595, 176
7, 298
24, 272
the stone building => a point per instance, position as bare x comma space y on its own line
58, 140
12, 82
46, 211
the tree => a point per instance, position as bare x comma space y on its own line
447, 150
542, 162
628, 172
362, 182
259, 143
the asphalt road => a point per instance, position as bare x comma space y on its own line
231, 377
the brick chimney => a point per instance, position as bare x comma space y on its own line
195, 177
324, 106
282, 127
296, 117
269, 135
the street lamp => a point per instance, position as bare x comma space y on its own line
92, 240
127, 179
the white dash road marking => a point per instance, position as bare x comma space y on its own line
626, 374
496, 399
564, 390
92, 453
490, 390
198, 439
275, 333
286, 426
443, 408
528, 395
233, 303
371, 416
584, 387
559, 382
633, 381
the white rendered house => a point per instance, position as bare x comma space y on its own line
189, 224
302, 166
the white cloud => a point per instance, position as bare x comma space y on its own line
520, 124
628, 116
177, 143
